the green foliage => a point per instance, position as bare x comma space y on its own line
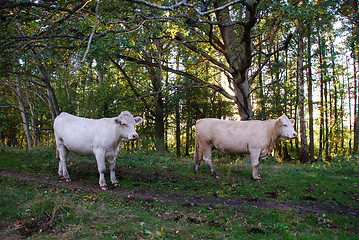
338, 166
49, 40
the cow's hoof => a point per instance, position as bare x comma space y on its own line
257, 178
103, 188
115, 184
64, 179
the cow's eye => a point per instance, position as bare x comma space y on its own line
284, 125
124, 124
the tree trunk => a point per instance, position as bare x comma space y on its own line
52, 100
158, 114
105, 107
341, 113
321, 130
178, 130
310, 95
304, 158
243, 100
24, 118
33, 125
356, 61
156, 78
238, 53
334, 132
349, 91
326, 119
262, 100
188, 135
356, 119
71, 107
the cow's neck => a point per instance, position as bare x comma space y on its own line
119, 137
274, 136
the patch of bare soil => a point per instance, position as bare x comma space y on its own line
192, 201
43, 223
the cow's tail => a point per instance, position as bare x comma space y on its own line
196, 154
57, 154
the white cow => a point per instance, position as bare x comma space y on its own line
256, 138
99, 137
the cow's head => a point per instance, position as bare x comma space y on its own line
286, 125
126, 123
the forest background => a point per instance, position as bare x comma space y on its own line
174, 62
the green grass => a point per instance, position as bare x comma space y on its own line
42, 211
85, 215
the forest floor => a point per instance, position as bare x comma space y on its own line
186, 200
161, 197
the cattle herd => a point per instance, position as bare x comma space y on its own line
102, 138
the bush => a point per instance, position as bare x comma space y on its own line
338, 165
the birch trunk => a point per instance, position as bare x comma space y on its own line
310, 97
300, 75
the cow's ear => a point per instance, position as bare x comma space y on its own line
138, 120
118, 120
292, 121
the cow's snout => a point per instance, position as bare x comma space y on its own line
293, 135
135, 136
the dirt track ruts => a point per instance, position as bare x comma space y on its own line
190, 201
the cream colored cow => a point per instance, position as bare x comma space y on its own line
256, 138
99, 137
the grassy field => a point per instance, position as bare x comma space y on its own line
160, 197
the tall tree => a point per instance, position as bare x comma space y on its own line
350, 10
310, 91
156, 80
304, 157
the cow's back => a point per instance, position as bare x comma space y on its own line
69, 126
234, 136
81, 135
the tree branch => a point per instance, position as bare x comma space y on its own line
167, 8
12, 4
191, 86
284, 46
92, 33
131, 85
206, 56
215, 87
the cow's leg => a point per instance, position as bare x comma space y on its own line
254, 155
100, 158
198, 164
112, 163
62, 154
197, 155
207, 157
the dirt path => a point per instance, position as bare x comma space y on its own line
190, 201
